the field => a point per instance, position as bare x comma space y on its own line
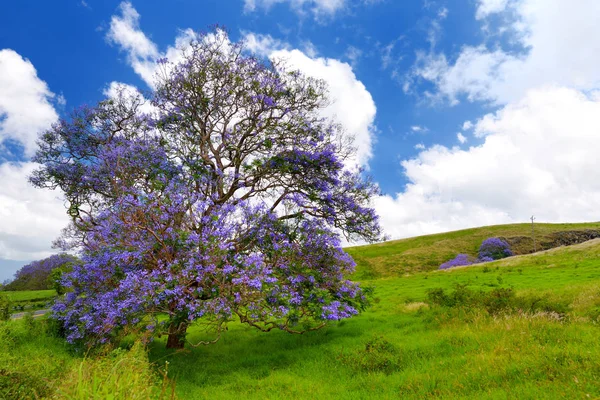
539, 343
29, 300
426, 253
30, 295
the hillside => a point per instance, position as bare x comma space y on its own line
426, 253
539, 340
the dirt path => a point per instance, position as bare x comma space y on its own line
37, 313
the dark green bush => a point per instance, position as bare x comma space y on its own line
5, 307
378, 355
495, 301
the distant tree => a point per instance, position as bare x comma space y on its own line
36, 275
459, 261
494, 249
227, 200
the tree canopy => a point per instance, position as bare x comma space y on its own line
38, 275
223, 195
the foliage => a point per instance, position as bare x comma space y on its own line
494, 249
5, 307
459, 261
122, 374
35, 364
425, 253
378, 355
227, 200
495, 301
440, 352
37, 274
491, 249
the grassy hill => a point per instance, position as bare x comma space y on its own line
524, 327
405, 348
426, 253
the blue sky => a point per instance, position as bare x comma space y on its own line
465, 113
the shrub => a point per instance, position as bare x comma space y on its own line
495, 301
5, 307
494, 249
378, 355
459, 260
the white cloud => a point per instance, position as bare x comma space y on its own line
125, 32
539, 156
351, 102
262, 45
25, 102
31, 218
487, 7
420, 146
353, 54
116, 90
317, 7
467, 125
419, 129
142, 53
461, 138
562, 42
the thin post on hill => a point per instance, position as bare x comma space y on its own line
533, 233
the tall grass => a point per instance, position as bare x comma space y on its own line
36, 364
120, 375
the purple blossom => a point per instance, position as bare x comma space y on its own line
228, 201
495, 249
459, 261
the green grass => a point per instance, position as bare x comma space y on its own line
426, 253
29, 300
35, 364
30, 295
402, 347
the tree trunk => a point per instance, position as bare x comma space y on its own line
176, 339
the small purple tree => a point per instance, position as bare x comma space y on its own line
458, 261
37, 274
494, 249
228, 200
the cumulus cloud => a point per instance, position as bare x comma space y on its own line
538, 156
31, 218
117, 90
263, 45
25, 102
561, 43
351, 103
461, 138
142, 53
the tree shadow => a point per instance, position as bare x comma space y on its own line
247, 351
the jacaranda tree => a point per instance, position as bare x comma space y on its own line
226, 199
37, 275
494, 249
